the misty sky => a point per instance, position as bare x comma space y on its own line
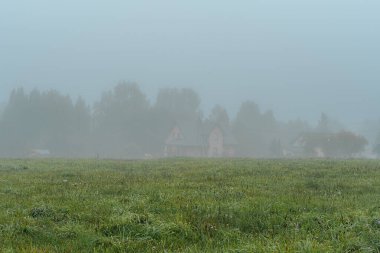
296, 57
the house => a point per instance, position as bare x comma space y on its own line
200, 140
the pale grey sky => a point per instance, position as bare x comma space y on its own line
296, 57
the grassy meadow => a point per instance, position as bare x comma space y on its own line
189, 205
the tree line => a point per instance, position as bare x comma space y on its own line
123, 123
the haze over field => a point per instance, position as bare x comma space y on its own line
296, 57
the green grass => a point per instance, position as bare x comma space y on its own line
188, 205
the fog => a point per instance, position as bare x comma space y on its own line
297, 59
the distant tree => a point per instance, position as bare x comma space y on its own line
38, 121
219, 116
121, 121
328, 125
173, 106
341, 144
244, 128
294, 128
81, 121
349, 144
323, 124
12, 134
178, 104
254, 130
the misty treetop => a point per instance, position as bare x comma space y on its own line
123, 123
43, 120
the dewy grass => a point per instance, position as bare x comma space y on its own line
189, 205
